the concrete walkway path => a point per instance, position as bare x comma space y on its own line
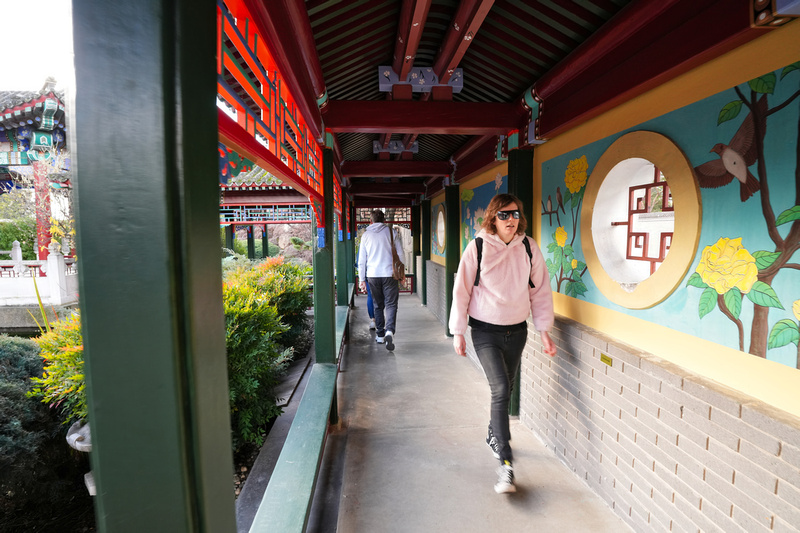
410, 455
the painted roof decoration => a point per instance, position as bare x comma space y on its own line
411, 93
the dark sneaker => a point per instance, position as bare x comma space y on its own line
491, 441
505, 479
389, 341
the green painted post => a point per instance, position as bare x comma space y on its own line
425, 238
520, 184
265, 241
324, 307
415, 225
341, 261
229, 236
452, 253
147, 215
251, 242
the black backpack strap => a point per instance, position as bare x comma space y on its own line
479, 247
527, 244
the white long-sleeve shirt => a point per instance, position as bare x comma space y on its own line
375, 252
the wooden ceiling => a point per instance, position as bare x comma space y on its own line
572, 58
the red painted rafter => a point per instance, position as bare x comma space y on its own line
370, 169
459, 36
448, 118
232, 135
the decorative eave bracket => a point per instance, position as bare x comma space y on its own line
421, 79
395, 147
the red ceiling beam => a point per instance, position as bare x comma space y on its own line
409, 31
402, 169
287, 31
448, 118
370, 188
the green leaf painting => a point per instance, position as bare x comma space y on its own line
789, 215
764, 84
784, 332
764, 295
729, 112
765, 259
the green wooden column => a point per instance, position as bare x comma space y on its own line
265, 241
452, 253
520, 184
415, 226
425, 238
341, 260
230, 233
251, 242
324, 307
147, 214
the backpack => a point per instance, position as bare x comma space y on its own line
479, 247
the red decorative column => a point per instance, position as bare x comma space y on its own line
42, 191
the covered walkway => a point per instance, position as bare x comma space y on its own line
410, 452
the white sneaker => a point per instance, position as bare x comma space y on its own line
371, 323
379, 340
389, 341
505, 480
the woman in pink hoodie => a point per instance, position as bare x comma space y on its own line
495, 302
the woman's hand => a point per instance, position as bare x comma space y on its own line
548, 344
460, 345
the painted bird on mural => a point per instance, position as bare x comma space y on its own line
734, 158
560, 200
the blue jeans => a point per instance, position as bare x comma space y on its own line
370, 305
499, 349
384, 295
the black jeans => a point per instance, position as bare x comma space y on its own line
384, 297
499, 349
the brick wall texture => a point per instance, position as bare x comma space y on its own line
666, 449
435, 297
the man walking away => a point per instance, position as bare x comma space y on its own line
375, 259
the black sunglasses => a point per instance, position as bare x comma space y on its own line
503, 215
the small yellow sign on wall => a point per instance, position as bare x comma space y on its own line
606, 359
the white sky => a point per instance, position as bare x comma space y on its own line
37, 37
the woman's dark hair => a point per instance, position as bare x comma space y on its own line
495, 205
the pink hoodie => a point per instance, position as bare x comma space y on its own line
500, 298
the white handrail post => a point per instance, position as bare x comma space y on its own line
16, 256
56, 275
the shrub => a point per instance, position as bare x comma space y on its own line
255, 360
24, 231
41, 479
63, 385
286, 286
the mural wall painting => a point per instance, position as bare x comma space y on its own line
474, 203
566, 269
728, 270
743, 277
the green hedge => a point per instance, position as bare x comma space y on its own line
23, 231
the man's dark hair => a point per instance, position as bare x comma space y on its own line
377, 216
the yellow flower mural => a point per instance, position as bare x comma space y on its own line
726, 264
574, 263
561, 236
796, 309
576, 174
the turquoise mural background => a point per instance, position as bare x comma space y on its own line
696, 129
474, 203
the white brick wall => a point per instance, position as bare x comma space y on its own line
666, 449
